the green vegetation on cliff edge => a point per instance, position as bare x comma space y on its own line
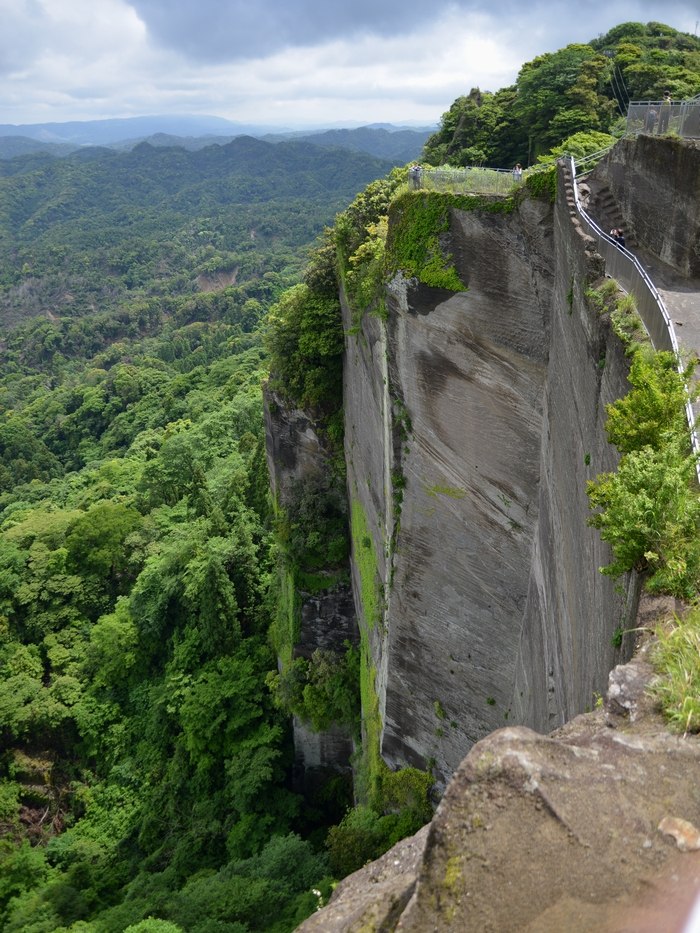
649, 509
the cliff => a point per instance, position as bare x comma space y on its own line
656, 183
314, 611
473, 420
472, 423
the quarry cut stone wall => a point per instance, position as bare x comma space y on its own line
483, 412
572, 610
656, 182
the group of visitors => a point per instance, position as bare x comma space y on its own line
662, 115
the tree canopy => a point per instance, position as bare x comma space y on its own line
582, 88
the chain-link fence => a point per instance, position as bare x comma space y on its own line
657, 117
469, 180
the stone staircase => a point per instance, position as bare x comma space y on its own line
600, 204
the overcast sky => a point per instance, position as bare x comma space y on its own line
284, 62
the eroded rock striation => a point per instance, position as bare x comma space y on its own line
473, 420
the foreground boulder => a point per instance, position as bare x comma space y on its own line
594, 827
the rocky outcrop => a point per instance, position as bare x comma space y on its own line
589, 828
373, 898
324, 619
473, 421
293, 445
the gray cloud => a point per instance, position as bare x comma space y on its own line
21, 20
213, 30
234, 30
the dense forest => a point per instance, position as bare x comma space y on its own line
145, 755
84, 233
145, 767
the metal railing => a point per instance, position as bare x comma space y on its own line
626, 269
656, 118
588, 162
470, 179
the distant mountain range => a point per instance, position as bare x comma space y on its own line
397, 144
107, 132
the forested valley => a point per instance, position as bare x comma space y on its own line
145, 763
145, 770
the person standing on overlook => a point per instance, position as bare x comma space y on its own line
414, 176
665, 114
518, 173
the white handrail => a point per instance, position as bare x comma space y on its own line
663, 325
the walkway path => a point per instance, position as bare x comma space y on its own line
681, 297
680, 294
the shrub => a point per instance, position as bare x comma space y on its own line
321, 690
676, 658
542, 183
651, 517
366, 274
364, 835
418, 223
655, 408
650, 508
305, 340
628, 325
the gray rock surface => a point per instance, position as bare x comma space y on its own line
374, 897
656, 182
328, 622
494, 608
294, 449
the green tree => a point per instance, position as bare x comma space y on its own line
651, 517
305, 339
654, 409
97, 543
557, 96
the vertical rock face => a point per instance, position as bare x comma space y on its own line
572, 609
472, 422
327, 619
294, 449
328, 622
